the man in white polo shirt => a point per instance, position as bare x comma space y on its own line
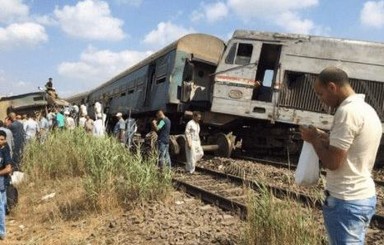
348, 153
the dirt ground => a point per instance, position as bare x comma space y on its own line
64, 217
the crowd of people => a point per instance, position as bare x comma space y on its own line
347, 152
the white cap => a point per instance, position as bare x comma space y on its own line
119, 114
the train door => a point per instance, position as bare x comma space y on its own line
267, 69
148, 87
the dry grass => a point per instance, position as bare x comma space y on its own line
92, 179
66, 218
279, 222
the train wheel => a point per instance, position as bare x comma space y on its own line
221, 144
181, 142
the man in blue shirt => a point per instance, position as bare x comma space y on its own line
162, 125
60, 120
5, 170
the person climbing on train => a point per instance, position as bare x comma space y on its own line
193, 150
162, 125
348, 154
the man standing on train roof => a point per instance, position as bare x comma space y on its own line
348, 153
194, 152
162, 125
5, 170
119, 128
49, 84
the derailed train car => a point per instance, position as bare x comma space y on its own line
254, 93
267, 77
28, 103
159, 82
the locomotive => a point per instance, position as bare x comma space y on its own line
254, 91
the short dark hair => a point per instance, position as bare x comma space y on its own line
335, 75
3, 133
196, 113
1, 123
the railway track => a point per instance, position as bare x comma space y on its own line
227, 192
280, 164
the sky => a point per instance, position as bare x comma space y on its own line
81, 44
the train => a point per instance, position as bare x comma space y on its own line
253, 90
27, 103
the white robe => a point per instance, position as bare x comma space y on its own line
195, 153
98, 128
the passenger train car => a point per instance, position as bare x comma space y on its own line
157, 81
254, 92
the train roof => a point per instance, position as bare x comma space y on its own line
203, 47
279, 36
19, 96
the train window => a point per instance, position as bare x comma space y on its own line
38, 98
123, 94
231, 54
244, 53
160, 80
131, 91
239, 54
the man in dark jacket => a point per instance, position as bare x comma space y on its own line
18, 133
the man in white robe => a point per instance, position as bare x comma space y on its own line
98, 127
193, 150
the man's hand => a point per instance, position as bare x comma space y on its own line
308, 133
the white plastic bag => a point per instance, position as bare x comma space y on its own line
17, 177
308, 171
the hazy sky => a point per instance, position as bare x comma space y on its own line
81, 44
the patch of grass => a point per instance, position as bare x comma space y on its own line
284, 222
110, 175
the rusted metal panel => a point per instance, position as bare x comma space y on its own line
296, 59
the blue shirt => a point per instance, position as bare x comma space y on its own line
60, 120
5, 159
163, 130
